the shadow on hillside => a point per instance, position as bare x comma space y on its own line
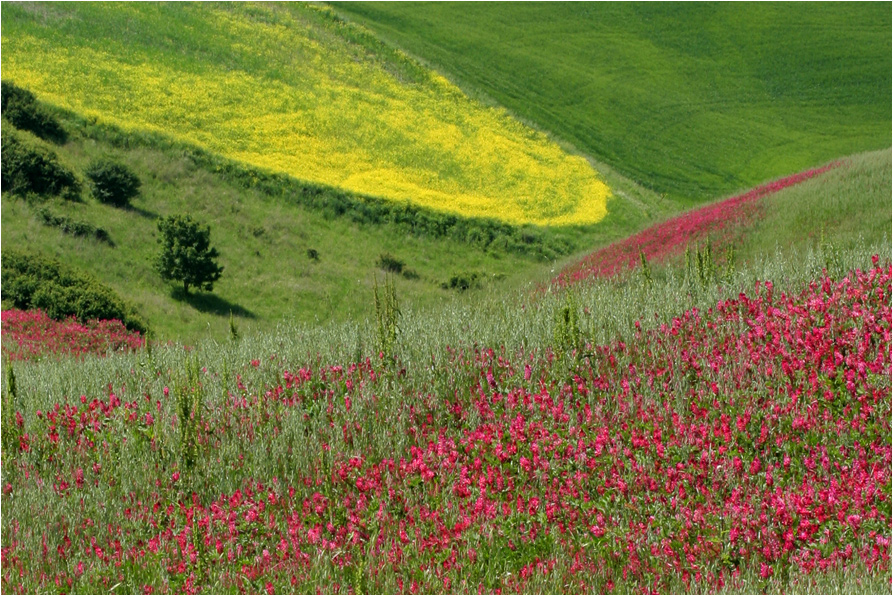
142, 212
209, 303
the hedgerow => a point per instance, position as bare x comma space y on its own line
405, 218
80, 229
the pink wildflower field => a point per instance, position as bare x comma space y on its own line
749, 440
718, 222
32, 334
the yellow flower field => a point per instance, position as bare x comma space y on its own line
292, 89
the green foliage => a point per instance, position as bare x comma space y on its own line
33, 281
190, 402
80, 229
465, 280
112, 183
702, 267
567, 336
20, 108
387, 315
186, 253
29, 169
313, 254
233, 329
11, 431
646, 269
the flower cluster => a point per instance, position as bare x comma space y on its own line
754, 438
670, 238
29, 334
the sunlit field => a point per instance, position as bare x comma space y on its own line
449, 352
301, 93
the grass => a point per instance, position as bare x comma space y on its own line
847, 207
264, 235
695, 101
293, 89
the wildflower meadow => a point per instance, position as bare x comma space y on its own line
446, 353
745, 446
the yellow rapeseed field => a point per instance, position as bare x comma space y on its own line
292, 89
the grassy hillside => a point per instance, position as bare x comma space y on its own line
842, 205
290, 88
695, 100
674, 428
264, 228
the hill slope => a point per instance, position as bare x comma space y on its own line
695, 100
291, 88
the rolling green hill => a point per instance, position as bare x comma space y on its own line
623, 433
265, 227
292, 89
694, 100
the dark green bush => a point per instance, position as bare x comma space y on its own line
32, 170
463, 281
112, 183
20, 108
34, 281
80, 229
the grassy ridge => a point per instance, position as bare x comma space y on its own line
293, 89
694, 100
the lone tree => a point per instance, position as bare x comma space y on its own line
186, 254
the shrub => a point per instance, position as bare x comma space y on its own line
33, 281
80, 229
30, 170
463, 281
186, 253
21, 109
312, 254
112, 183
